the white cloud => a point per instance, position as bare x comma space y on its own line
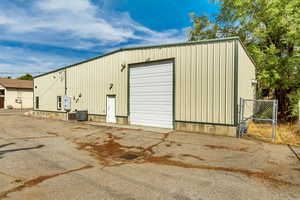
71, 24
76, 24
15, 61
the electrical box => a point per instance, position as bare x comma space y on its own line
67, 103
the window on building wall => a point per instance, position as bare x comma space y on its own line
37, 102
2, 92
59, 103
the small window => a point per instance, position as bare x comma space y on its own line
59, 103
37, 102
2, 92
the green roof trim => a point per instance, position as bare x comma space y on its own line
144, 47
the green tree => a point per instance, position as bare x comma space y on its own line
26, 77
270, 29
6, 77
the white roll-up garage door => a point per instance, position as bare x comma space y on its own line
151, 94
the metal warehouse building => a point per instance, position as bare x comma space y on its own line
194, 86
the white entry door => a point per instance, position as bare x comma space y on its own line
111, 109
151, 94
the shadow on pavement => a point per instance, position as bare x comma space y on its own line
19, 149
294, 152
4, 145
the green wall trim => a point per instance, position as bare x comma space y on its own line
236, 81
66, 82
33, 97
128, 90
144, 47
102, 115
205, 123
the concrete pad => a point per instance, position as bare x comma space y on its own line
50, 159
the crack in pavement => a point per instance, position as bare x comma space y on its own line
30, 138
38, 180
111, 154
11, 176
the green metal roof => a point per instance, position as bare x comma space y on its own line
144, 47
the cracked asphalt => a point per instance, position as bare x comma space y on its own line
49, 159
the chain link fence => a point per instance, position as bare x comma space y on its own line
299, 114
258, 118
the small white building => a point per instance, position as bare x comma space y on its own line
16, 94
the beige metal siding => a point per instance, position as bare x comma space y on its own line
12, 94
47, 88
204, 81
246, 73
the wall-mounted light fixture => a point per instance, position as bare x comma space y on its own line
123, 66
254, 82
111, 86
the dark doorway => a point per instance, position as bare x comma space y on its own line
1, 102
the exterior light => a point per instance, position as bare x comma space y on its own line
253, 82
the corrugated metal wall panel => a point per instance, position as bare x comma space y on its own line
48, 87
246, 75
203, 88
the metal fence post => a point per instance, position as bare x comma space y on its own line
274, 120
299, 114
299, 109
241, 117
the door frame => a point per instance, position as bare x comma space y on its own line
171, 60
107, 96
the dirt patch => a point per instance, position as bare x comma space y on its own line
165, 160
243, 149
286, 133
18, 181
112, 153
192, 156
128, 129
38, 180
129, 156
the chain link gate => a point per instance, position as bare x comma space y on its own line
260, 116
299, 114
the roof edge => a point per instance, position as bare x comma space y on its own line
247, 53
142, 47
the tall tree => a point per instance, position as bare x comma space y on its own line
270, 29
26, 77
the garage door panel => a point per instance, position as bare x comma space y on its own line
146, 74
153, 80
151, 95
155, 123
144, 71
151, 110
158, 89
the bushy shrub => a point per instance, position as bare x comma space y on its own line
294, 100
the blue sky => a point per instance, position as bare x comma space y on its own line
37, 36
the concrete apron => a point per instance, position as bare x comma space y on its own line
123, 122
144, 128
